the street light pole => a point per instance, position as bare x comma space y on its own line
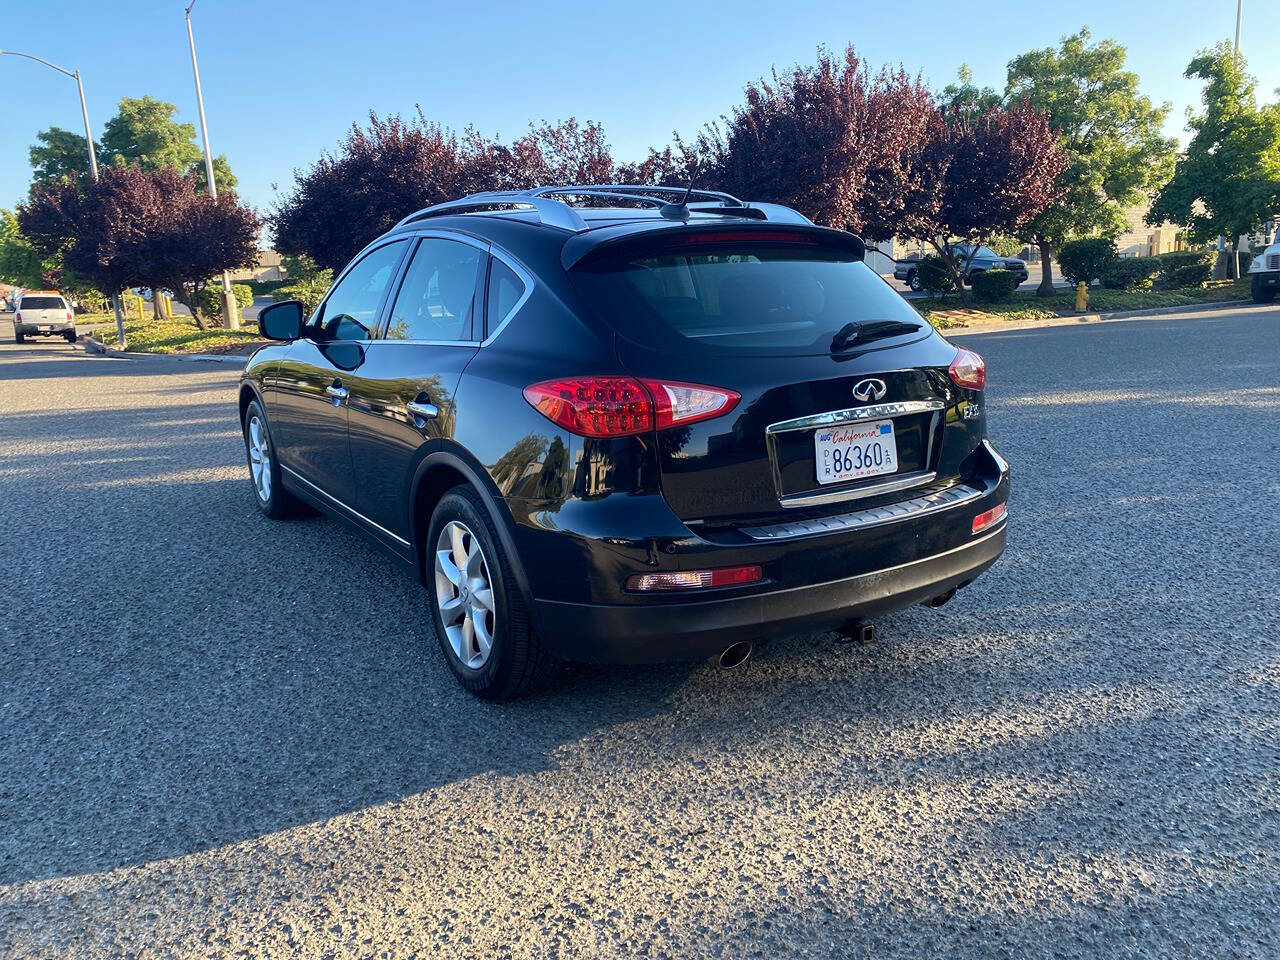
93, 159
1239, 17
229, 308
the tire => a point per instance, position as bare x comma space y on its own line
1262, 293
269, 493
462, 533
18, 337
71, 334
913, 281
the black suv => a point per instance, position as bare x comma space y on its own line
618, 424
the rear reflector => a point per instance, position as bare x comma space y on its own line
988, 517
694, 579
612, 406
968, 370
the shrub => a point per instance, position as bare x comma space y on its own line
211, 300
1131, 273
1186, 268
935, 277
1086, 259
992, 286
1246, 261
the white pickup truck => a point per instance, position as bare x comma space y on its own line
44, 313
1264, 273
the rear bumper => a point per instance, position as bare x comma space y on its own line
638, 633
36, 329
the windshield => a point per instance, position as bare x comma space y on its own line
41, 303
985, 253
772, 300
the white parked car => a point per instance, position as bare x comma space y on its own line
44, 313
1264, 273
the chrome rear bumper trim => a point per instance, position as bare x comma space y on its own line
903, 482
881, 411
945, 499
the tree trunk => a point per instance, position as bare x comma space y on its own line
1046, 268
157, 304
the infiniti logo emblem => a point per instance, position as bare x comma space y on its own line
870, 389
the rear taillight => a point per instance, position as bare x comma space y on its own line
68, 316
988, 518
17, 318
968, 369
694, 579
680, 403
624, 406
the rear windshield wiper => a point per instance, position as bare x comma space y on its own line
854, 332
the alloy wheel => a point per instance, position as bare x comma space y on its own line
259, 458
464, 594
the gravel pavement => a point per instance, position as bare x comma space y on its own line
224, 736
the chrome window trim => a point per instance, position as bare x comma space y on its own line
415, 237
396, 271
526, 278
334, 500
444, 233
935, 501
879, 411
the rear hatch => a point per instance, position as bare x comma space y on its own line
43, 310
844, 388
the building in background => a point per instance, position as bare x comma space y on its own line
1140, 240
267, 266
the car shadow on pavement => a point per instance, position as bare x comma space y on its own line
180, 672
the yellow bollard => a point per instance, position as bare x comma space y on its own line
139, 299
168, 306
1082, 297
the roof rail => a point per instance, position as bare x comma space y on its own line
634, 190
559, 213
553, 213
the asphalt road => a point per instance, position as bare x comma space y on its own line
223, 736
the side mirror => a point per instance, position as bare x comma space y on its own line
281, 321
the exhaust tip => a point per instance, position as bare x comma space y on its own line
735, 655
941, 599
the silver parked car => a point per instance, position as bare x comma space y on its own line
44, 313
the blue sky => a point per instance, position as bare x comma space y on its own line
283, 81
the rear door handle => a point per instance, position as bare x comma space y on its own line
337, 392
422, 411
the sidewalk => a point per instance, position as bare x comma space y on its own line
1186, 310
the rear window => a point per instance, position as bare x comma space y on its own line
41, 303
780, 300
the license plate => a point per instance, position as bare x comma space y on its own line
855, 451
44, 328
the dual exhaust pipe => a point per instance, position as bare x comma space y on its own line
861, 632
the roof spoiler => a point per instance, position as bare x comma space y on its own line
676, 235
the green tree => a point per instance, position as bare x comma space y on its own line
20, 265
307, 282
1228, 180
1111, 133
60, 153
963, 97
144, 132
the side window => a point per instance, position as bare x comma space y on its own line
351, 311
438, 296
505, 291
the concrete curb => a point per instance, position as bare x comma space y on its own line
1114, 315
97, 348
